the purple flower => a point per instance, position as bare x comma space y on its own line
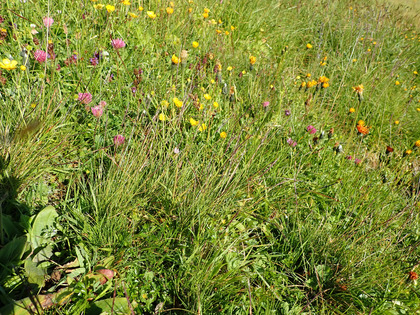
357, 161
85, 98
291, 142
265, 104
102, 104
94, 61
40, 56
348, 157
311, 129
97, 111
287, 112
117, 43
119, 140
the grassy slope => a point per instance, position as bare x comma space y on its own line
233, 224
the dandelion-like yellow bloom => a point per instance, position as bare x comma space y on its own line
359, 89
215, 105
232, 28
252, 60
141, 9
205, 15
195, 44
354, 60
98, 6
309, 46
223, 135
352, 110
397, 82
8, 64
133, 15
177, 102
417, 144
408, 152
206, 10
207, 97
126, 2
162, 117
169, 11
164, 103
415, 72
325, 85
151, 14
229, 68
110, 8
22, 67
175, 60
361, 123
193, 122
397, 122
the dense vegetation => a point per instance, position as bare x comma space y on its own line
239, 157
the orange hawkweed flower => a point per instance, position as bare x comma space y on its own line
413, 275
362, 129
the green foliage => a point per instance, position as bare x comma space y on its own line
286, 182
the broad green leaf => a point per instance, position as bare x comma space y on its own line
35, 274
45, 219
13, 250
117, 305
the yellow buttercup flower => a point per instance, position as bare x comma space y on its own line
8, 64
162, 117
98, 6
22, 67
206, 10
195, 44
397, 82
223, 135
215, 105
151, 14
352, 110
164, 103
110, 8
175, 60
252, 60
133, 15
193, 122
309, 46
207, 97
126, 2
417, 144
169, 10
141, 9
178, 102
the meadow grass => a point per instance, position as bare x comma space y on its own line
209, 157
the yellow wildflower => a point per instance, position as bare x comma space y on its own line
169, 10
417, 144
351, 110
8, 64
126, 2
164, 103
202, 127
207, 97
309, 46
98, 6
252, 60
205, 15
110, 8
223, 135
22, 67
133, 15
397, 82
141, 9
178, 102
193, 122
162, 117
195, 44
175, 60
151, 14
206, 10
215, 105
